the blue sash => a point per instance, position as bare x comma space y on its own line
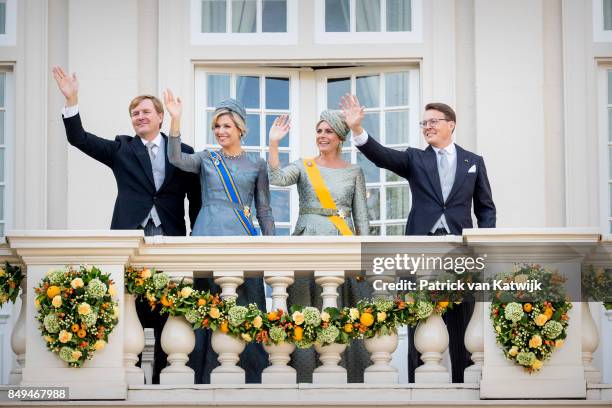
243, 212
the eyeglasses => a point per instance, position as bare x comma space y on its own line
431, 122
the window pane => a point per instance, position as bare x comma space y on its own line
218, 88
337, 16
1, 202
391, 176
282, 231
396, 89
374, 230
1, 127
397, 127
607, 10
368, 15
371, 124
372, 174
399, 15
274, 16
252, 137
280, 205
269, 121
244, 16
247, 91
336, 89
396, 229
283, 158
213, 16
373, 197
210, 136
368, 90
397, 202
277, 93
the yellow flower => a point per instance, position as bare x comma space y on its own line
37, 303
522, 278
53, 291
354, 313
498, 328
84, 309
257, 322
366, 319
443, 305
2, 272
535, 341
64, 336
381, 316
81, 333
77, 283
527, 307
49, 339
214, 313
112, 290
513, 351
186, 291
151, 297
540, 319
246, 337
549, 313
537, 364
76, 354
145, 274
325, 317
57, 301
298, 333
348, 328
559, 343
298, 318
99, 344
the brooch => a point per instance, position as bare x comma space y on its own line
309, 163
247, 210
341, 213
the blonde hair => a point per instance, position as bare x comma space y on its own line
237, 119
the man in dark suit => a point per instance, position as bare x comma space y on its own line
151, 191
444, 181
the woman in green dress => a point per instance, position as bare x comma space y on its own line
341, 211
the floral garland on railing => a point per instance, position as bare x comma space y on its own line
529, 331
302, 326
597, 285
10, 279
76, 311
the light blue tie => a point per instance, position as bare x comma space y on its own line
446, 181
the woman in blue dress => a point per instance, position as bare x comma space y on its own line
226, 210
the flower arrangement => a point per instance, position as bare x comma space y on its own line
10, 279
77, 311
597, 284
146, 283
528, 332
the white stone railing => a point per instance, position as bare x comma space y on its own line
329, 260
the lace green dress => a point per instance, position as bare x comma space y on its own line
347, 188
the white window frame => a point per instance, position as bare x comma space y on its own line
229, 38
201, 127
604, 142
415, 139
376, 37
8, 181
10, 37
599, 34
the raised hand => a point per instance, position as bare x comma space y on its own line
352, 112
279, 128
67, 84
174, 106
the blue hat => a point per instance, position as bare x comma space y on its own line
233, 105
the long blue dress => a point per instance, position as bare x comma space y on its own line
217, 217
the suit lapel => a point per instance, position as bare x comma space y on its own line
169, 168
463, 165
142, 155
431, 167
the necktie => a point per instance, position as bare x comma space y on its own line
151, 148
444, 169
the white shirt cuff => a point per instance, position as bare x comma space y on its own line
70, 111
359, 140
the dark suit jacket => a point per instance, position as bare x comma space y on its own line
420, 168
127, 156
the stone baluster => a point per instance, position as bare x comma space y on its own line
18, 337
280, 354
330, 372
474, 343
590, 341
431, 340
228, 347
133, 341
